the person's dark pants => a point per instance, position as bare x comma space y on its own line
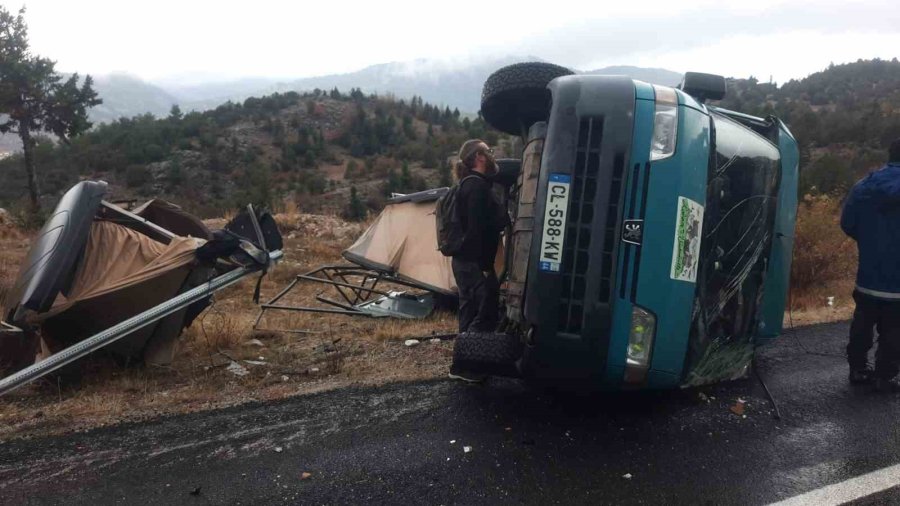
875, 314
479, 297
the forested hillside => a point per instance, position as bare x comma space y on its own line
309, 149
313, 148
843, 117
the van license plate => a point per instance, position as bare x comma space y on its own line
555, 222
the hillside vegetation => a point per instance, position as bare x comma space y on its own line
843, 117
307, 148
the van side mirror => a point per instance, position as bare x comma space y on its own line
702, 86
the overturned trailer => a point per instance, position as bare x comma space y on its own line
98, 276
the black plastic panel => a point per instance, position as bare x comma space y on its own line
49, 266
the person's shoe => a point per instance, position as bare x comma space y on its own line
864, 376
887, 386
459, 374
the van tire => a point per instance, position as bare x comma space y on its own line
488, 352
516, 96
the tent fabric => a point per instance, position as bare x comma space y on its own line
122, 273
403, 242
173, 218
117, 257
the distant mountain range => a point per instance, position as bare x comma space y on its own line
452, 84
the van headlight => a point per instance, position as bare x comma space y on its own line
665, 124
640, 345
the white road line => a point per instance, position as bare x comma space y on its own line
849, 490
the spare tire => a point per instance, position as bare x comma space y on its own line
488, 352
516, 96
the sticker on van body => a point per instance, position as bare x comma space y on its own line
686, 250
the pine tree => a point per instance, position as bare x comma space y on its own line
355, 210
405, 178
35, 98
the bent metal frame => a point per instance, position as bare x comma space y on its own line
357, 287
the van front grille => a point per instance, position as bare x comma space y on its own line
590, 250
577, 245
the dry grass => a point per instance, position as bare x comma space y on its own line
339, 351
824, 258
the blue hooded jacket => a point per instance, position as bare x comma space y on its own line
872, 217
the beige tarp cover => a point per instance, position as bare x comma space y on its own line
117, 257
403, 241
122, 273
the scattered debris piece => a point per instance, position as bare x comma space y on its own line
411, 342
305, 475
738, 407
195, 491
278, 449
314, 369
284, 377
507, 429
237, 369
255, 362
453, 441
627, 476
435, 340
703, 397
255, 342
467, 449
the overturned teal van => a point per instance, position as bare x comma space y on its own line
652, 232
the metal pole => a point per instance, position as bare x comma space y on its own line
124, 328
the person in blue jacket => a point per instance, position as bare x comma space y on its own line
871, 217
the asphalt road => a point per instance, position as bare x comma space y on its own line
406, 443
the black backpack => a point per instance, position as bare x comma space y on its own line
450, 233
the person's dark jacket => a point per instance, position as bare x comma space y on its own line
483, 219
871, 216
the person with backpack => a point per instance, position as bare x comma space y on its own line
871, 217
470, 220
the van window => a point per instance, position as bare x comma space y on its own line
741, 199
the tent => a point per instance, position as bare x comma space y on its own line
399, 248
94, 266
403, 242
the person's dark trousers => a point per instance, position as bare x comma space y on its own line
479, 297
875, 314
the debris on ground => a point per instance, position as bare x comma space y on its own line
255, 362
237, 369
467, 449
305, 475
627, 476
278, 449
453, 441
411, 342
255, 342
738, 407
703, 397
284, 377
195, 491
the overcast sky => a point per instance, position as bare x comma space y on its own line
224, 39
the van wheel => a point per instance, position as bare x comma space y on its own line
516, 96
488, 352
